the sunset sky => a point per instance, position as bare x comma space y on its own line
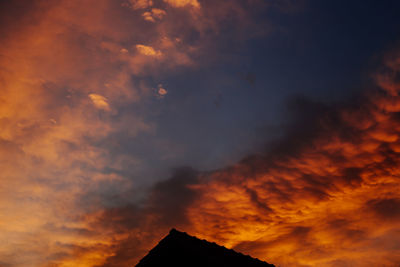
268, 126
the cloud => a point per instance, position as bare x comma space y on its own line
183, 3
53, 58
144, 4
386, 209
161, 91
158, 13
148, 51
141, 4
99, 102
154, 14
164, 208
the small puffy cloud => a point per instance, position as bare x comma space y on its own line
141, 4
183, 3
123, 51
162, 91
158, 13
148, 16
148, 50
154, 14
99, 102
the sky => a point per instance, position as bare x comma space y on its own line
268, 126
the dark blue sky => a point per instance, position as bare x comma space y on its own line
235, 102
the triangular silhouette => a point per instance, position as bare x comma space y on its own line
179, 249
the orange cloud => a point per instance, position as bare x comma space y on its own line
99, 101
49, 158
141, 4
183, 3
148, 51
161, 91
154, 14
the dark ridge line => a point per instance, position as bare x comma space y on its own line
175, 239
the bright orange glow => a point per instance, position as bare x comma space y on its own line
335, 202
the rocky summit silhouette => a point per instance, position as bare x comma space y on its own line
180, 249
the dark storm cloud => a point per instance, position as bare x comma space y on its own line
166, 201
170, 198
15, 14
386, 209
164, 208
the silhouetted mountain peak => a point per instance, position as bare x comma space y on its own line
173, 231
180, 249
